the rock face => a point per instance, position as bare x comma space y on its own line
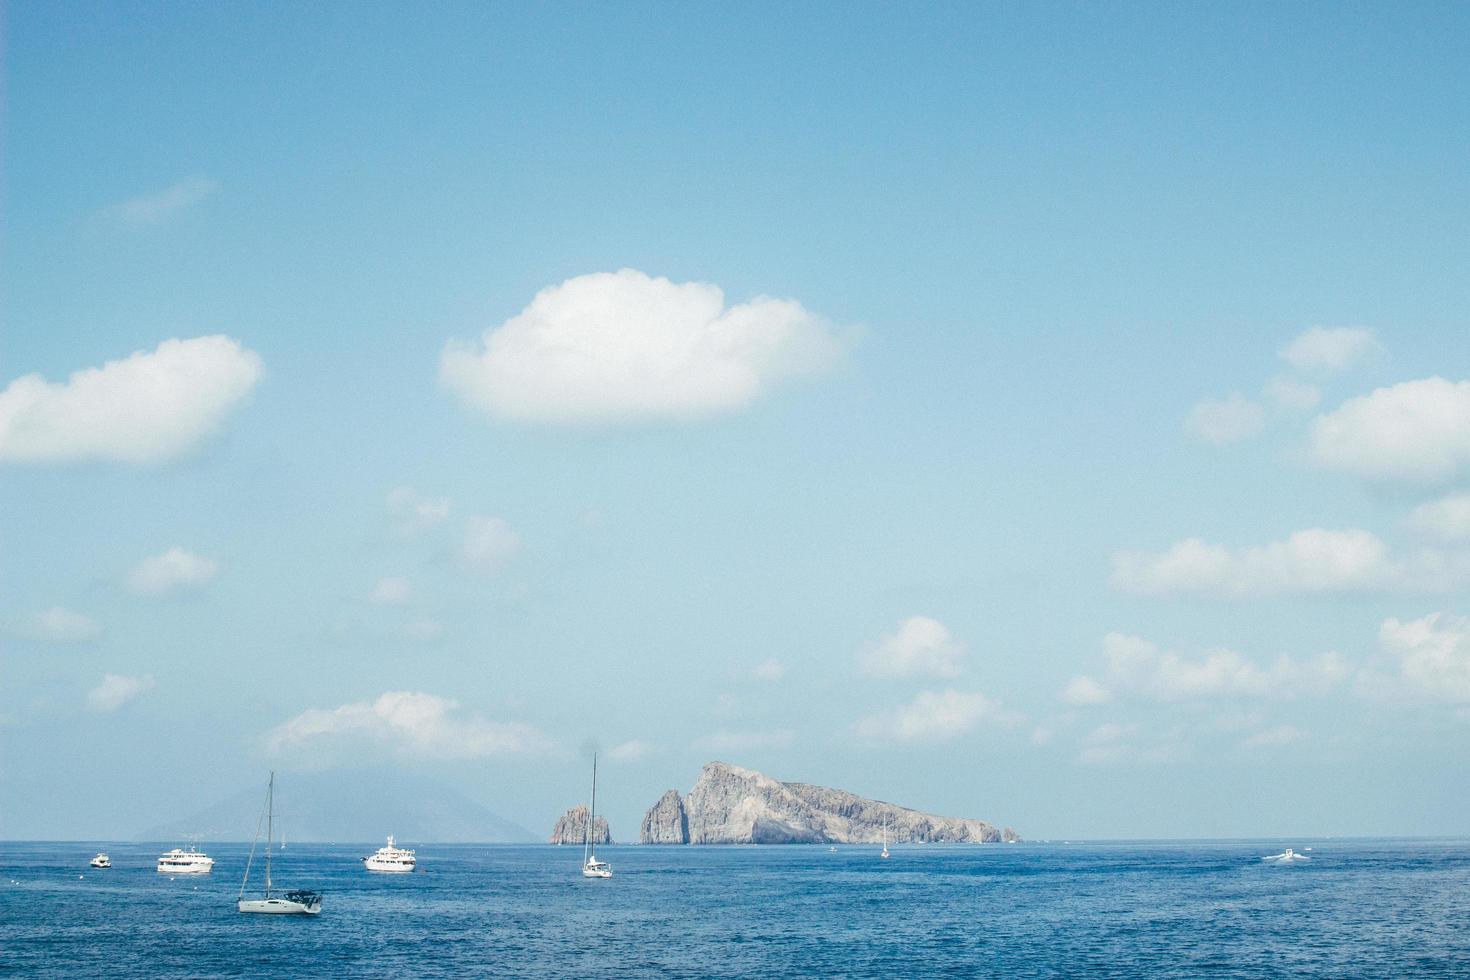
1010, 836
666, 822
731, 805
572, 828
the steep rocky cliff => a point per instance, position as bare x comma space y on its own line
666, 821
572, 828
731, 805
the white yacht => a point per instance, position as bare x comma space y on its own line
101, 861
1287, 856
182, 862
295, 902
591, 867
884, 855
390, 858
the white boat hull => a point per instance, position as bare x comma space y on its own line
186, 869
277, 906
387, 867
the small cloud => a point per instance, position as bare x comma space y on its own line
1083, 691
932, 716
1293, 395
1041, 735
1447, 518
424, 631
150, 407
1273, 737
921, 646
117, 690
624, 347
1432, 654
58, 625
736, 741
1220, 422
1114, 743
412, 514
1329, 349
1415, 431
410, 723
630, 751
489, 543
176, 570
159, 206
391, 591
768, 670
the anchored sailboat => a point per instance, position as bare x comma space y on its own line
885, 837
591, 867
295, 902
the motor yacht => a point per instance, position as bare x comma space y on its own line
390, 858
185, 862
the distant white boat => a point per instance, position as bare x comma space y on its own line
884, 855
1287, 856
591, 867
295, 902
101, 861
390, 858
181, 862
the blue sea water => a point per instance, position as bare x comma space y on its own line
1379, 908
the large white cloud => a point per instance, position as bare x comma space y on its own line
1447, 518
1329, 348
1225, 421
1312, 561
626, 347
410, 723
149, 407
920, 646
1141, 669
117, 690
176, 570
1433, 654
1415, 431
932, 716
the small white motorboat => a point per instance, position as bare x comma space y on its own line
101, 861
1287, 856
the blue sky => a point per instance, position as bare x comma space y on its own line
1026, 413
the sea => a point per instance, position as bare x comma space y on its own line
1358, 908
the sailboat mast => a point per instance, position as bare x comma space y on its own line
591, 814
270, 811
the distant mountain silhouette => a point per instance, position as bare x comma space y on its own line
359, 806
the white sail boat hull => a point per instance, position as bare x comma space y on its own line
277, 906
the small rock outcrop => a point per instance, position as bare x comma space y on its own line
666, 822
731, 805
572, 828
1009, 836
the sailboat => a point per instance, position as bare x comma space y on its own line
591, 867
885, 837
295, 902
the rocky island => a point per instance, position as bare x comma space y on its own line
572, 828
731, 805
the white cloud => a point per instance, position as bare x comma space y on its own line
1293, 395
1116, 743
1315, 561
117, 690
1082, 691
424, 631
1141, 669
58, 625
932, 716
488, 543
1230, 420
625, 347
412, 513
920, 646
176, 570
1329, 348
391, 590
1416, 431
1273, 737
158, 206
629, 751
1433, 654
733, 741
146, 408
413, 724
1447, 518
768, 670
